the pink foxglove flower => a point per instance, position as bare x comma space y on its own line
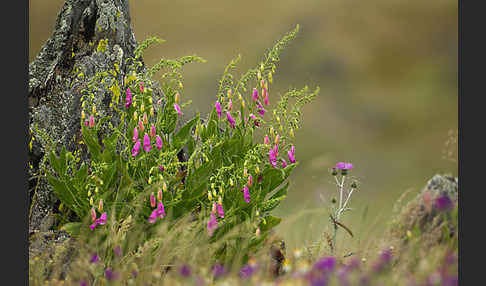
246, 194
152, 200
178, 109
250, 180
255, 94
218, 108
255, 122
159, 195
128, 99
265, 96
291, 154
230, 119
136, 148
272, 156
99, 221
146, 143
158, 143
93, 215
140, 125
212, 224
135, 134
152, 131
284, 163
160, 210
91, 121
260, 109
141, 86
230, 105
220, 210
266, 140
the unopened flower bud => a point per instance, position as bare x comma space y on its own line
334, 172
159, 195
354, 185
210, 197
145, 119
164, 187
266, 140
135, 115
140, 126
214, 193
150, 180
231, 182
243, 104
180, 85
229, 93
89, 193
83, 115
257, 170
96, 190
91, 121
152, 200
94, 109
245, 172
220, 200
177, 97
100, 205
150, 100
270, 77
262, 83
142, 107
277, 139
291, 132
91, 201
259, 75
93, 214
152, 111
213, 209
257, 232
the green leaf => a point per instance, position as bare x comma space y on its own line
91, 141
55, 163
182, 136
270, 222
73, 228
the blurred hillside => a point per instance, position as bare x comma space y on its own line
387, 72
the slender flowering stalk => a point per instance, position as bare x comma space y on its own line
152, 131
136, 148
158, 143
255, 94
178, 109
135, 134
146, 143
218, 108
129, 98
230, 119
246, 194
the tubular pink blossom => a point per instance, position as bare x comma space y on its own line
146, 143
218, 108
128, 99
212, 224
153, 216
136, 148
152, 200
140, 125
250, 180
93, 215
265, 96
255, 94
160, 210
246, 194
135, 134
141, 86
91, 121
230, 105
158, 142
291, 154
266, 140
220, 210
159, 195
284, 163
230, 119
260, 108
145, 119
152, 131
178, 109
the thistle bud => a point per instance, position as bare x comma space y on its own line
164, 187
100, 205
93, 214
152, 200
177, 97
159, 195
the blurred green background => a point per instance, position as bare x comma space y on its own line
388, 76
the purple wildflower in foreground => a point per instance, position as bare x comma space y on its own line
185, 270
443, 203
111, 275
291, 154
212, 224
255, 94
83, 283
178, 109
128, 99
325, 264
146, 143
384, 259
218, 270
101, 221
94, 258
246, 194
247, 271
117, 251
230, 119
136, 148
135, 134
218, 108
344, 166
158, 143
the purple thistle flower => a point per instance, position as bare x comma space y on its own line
135, 134
152, 131
344, 166
111, 275
185, 270
178, 109
94, 258
384, 259
218, 108
220, 210
247, 271
136, 148
325, 264
91, 121
291, 154
443, 203
218, 270
255, 94
152, 200
246, 194
158, 144
128, 99
230, 119
146, 143
284, 163
212, 224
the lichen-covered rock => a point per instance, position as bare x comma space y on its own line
89, 37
